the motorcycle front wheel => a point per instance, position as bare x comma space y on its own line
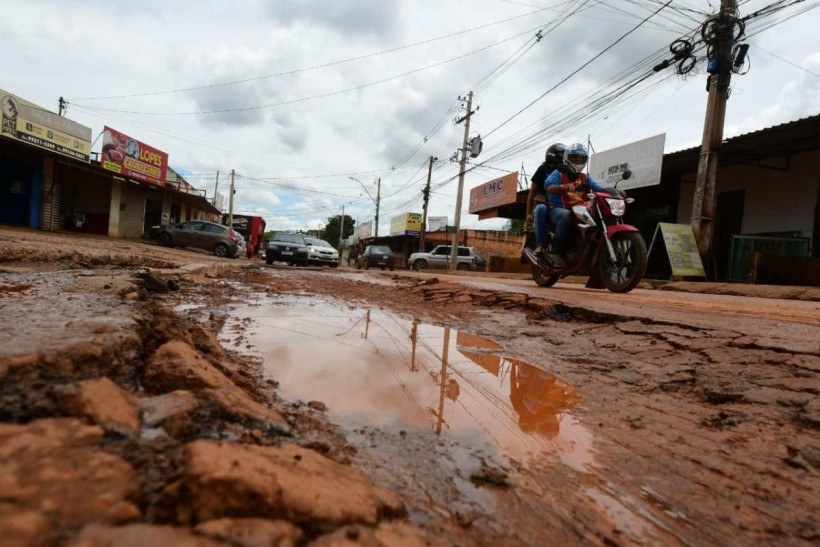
542, 279
630, 262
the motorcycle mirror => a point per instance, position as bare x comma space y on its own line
626, 174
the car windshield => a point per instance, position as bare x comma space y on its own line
380, 249
318, 243
289, 238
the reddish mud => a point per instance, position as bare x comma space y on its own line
293, 406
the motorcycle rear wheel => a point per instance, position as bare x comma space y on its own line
543, 279
630, 265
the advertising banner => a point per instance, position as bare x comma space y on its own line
434, 224
365, 230
679, 242
405, 224
494, 193
133, 159
644, 158
29, 123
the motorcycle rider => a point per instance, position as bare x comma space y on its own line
538, 194
566, 186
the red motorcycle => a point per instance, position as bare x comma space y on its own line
611, 253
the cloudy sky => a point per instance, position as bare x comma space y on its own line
299, 95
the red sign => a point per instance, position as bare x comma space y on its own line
494, 193
133, 159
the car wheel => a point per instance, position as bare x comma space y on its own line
358, 265
391, 268
268, 261
462, 266
164, 239
420, 264
221, 250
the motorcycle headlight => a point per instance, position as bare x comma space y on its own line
617, 207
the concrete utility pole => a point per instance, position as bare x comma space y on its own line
703, 204
462, 166
216, 187
378, 202
342, 228
230, 202
426, 193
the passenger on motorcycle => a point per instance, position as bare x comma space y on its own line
538, 193
566, 186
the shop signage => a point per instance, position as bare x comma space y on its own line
434, 224
678, 241
365, 230
29, 123
494, 193
405, 224
644, 158
133, 159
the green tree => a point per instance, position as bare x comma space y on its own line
331, 229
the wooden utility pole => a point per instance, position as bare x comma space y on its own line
62, 107
462, 166
703, 204
426, 193
230, 201
216, 187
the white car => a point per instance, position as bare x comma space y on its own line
439, 258
321, 252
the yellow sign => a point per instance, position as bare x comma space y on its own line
405, 224
27, 122
681, 248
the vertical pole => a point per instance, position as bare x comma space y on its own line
703, 203
462, 165
443, 380
230, 201
378, 202
216, 187
62, 106
426, 193
341, 229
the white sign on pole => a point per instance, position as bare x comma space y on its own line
434, 224
644, 158
365, 230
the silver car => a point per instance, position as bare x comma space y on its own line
200, 234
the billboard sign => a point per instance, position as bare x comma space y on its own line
29, 123
494, 193
644, 158
434, 224
365, 230
406, 224
133, 159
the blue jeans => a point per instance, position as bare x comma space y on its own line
560, 220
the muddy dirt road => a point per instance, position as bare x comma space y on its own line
233, 403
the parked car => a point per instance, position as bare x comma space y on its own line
287, 247
439, 258
199, 234
321, 252
377, 256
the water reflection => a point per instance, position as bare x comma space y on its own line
372, 367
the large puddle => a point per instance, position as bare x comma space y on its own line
373, 368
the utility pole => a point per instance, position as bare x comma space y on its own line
462, 166
703, 204
426, 193
62, 106
378, 202
216, 187
342, 228
230, 201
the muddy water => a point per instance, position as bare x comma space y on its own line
373, 368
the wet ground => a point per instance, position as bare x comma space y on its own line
416, 409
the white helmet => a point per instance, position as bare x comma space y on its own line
576, 157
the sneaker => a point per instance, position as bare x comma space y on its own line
558, 261
539, 250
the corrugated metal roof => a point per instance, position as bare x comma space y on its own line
757, 132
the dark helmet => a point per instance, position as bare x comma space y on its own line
555, 155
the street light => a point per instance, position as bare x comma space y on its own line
375, 201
